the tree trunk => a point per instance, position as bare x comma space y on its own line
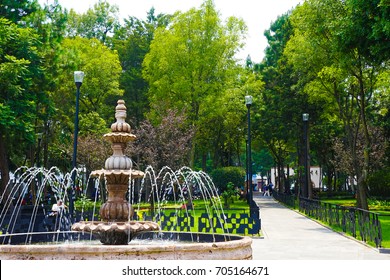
362, 185
204, 162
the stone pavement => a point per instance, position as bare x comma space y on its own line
288, 235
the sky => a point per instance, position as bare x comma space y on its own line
257, 14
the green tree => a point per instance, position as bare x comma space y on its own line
98, 93
279, 115
328, 47
132, 41
49, 23
19, 62
98, 22
32, 48
229, 195
17, 10
191, 67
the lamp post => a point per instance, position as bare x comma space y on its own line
78, 80
246, 171
305, 118
248, 103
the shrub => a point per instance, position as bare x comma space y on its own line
379, 183
225, 175
229, 194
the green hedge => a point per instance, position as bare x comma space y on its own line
225, 175
379, 183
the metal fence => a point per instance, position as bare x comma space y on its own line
361, 224
286, 199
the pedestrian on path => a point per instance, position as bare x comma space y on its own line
266, 190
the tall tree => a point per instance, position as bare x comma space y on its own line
49, 23
191, 66
279, 124
19, 62
340, 47
99, 92
17, 10
132, 41
98, 22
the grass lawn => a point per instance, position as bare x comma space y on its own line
385, 225
343, 202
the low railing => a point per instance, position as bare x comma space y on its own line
286, 199
359, 223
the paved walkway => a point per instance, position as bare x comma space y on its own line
288, 235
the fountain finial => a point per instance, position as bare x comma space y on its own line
119, 137
120, 114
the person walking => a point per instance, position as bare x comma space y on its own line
266, 190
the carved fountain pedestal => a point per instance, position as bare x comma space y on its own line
116, 226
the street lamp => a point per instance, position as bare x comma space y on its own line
305, 118
248, 103
78, 80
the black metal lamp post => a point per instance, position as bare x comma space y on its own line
78, 79
248, 103
305, 118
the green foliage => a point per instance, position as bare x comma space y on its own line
86, 204
20, 64
98, 22
92, 123
328, 58
16, 10
278, 117
337, 51
191, 67
132, 41
100, 89
189, 61
222, 177
229, 194
379, 183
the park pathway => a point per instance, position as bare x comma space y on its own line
288, 235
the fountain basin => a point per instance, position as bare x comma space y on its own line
204, 247
116, 233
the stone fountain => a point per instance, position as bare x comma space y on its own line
116, 227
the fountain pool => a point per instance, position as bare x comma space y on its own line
176, 246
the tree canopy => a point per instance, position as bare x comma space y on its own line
184, 88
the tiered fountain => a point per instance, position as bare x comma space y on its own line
116, 228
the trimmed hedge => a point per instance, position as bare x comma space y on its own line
225, 175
